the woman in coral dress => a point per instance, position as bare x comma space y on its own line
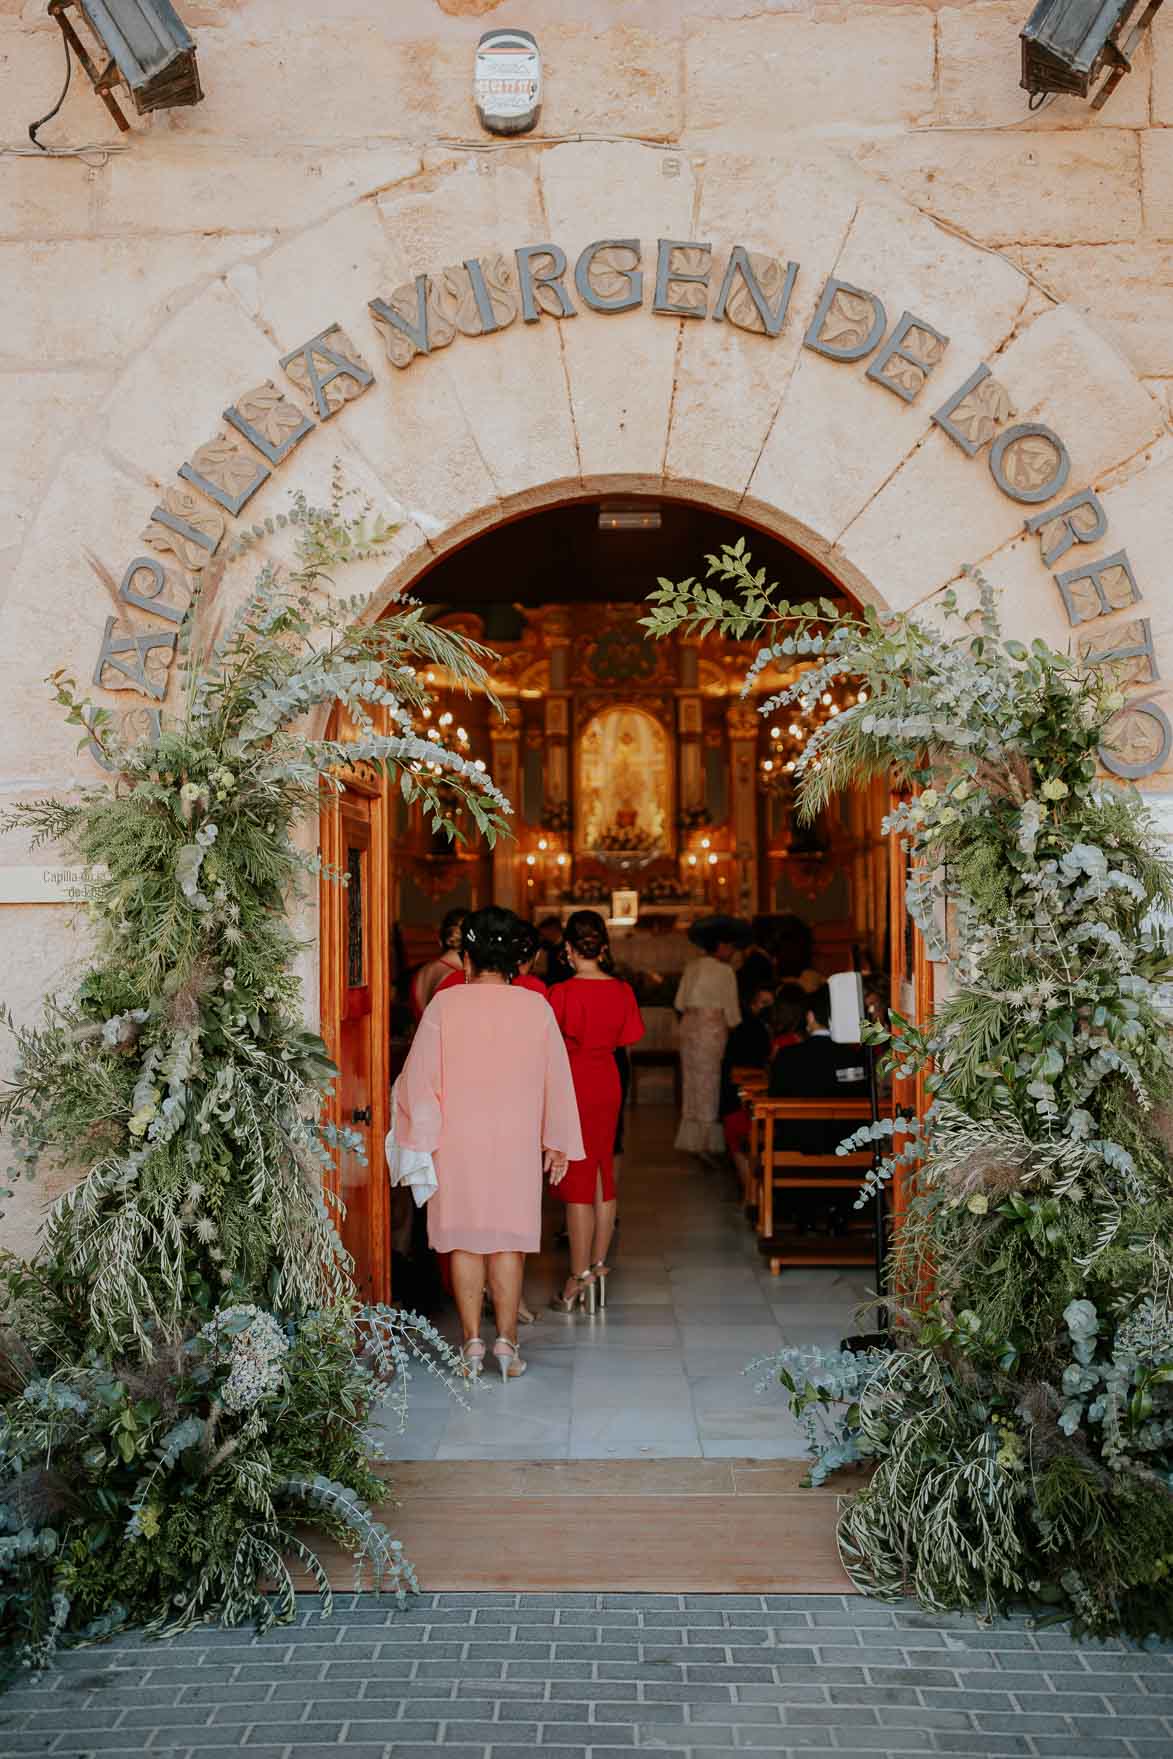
487, 1092
598, 1014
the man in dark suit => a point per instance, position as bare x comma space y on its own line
818, 1069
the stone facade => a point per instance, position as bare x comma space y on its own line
152, 280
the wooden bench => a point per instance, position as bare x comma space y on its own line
777, 1169
751, 1084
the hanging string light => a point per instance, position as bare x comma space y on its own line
789, 736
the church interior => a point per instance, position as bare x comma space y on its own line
640, 774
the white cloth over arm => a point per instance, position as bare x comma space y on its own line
413, 1167
416, 1112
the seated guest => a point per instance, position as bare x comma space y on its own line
817, 1068
747, 1047
789, 1017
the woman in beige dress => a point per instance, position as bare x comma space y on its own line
709, 1008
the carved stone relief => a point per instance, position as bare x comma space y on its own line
1030, 463
277, 424
226, 471
452, 308
741, 308
610, 269
691, 295
979, 415
329, 371
1083, 596
849, 320
184, 526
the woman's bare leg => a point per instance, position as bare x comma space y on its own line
603, 1215
505, 1273
580, 1225
468, 1286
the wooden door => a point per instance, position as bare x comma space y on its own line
912, 996
355, 959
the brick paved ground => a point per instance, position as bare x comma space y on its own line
522, 1676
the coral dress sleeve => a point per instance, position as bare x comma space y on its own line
632, 1029
419, 1091
560, 1126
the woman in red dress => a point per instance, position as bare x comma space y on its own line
598, 1014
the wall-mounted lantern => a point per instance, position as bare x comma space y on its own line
1068, 44
507, 81
149, 51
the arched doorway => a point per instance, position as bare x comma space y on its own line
698, 815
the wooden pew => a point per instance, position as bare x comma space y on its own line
751, 1084
778, 1169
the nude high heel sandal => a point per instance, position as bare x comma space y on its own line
583, 1296
473, 1356
509, 1359
600, 1270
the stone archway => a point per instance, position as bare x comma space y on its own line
850, 468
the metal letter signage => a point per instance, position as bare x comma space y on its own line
485, 293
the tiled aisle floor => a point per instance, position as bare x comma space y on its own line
660, 1374
564, 1676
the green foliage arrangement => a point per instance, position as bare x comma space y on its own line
1021, 1431
186, 1377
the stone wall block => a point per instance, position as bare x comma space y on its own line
57, 608
838, 436
979, 68
749, 78
1124, 290
1162, 91
1003, 186
341, 78
943, 509
622, 79
170, 184
172, 396
39, 412
1157, 181
43, 198
99, 299
620, 366
729, 382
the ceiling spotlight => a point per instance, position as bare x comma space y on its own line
148, 49
628, 516
1068, 44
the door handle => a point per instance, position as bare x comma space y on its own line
361, 1115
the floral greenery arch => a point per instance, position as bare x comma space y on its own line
1020, 1429
178, 1367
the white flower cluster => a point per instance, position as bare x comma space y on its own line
255, 1346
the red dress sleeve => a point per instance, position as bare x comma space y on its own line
558, 998
632, 1029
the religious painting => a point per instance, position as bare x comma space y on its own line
624, 786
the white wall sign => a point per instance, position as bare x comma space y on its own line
507, 83
49, 885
